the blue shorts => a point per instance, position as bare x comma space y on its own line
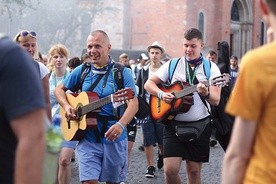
69, 144
102, 162
153, 133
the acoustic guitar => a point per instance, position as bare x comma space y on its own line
87, 105
161, 111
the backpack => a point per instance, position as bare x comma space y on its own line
222, 121
174, 62
223, 57
86, 68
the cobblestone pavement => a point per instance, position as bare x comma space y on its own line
211, 171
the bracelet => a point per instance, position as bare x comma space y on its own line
121, 125
159, 94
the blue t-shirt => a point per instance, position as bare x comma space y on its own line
104, 88
20, 93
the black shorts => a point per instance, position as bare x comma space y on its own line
197, 151
131, 130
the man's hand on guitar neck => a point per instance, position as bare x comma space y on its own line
203, 90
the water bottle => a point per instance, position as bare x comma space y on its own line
54, 136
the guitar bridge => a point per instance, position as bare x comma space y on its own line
159, 105
69, 124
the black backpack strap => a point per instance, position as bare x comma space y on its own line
203, 100
85, 70
99, 78
118, 75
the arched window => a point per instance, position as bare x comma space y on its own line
235, 12
201, 23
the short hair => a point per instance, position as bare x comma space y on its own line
234, 57
84, 57
74, 62
93, 33
212, 52
123, 55
193, 33
60, 49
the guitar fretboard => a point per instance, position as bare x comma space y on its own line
188, 90
95, 105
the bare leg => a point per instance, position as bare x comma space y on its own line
171, 170
149, 155
193, 172
64, 171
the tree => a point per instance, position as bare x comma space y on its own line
67, 22
10, 6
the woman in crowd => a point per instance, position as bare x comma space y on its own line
28, 41
58, 56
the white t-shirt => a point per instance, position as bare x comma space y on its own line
198, 110
43, 70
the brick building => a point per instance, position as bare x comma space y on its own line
239, 22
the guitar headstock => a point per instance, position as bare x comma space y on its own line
221, 81
123, 95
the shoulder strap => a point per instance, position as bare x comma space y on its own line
86, 68
207, 68
172, 67
118, 75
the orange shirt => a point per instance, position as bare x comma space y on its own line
254, 98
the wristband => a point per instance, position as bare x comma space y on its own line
121, 125
159, 94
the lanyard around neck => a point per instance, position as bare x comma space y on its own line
188, 69
55, 77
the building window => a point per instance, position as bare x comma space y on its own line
262, 37
235, 12
201, 23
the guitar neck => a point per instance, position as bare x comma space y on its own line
188, 90
95, 105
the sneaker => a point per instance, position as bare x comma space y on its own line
160, 161
150, 172
213, 142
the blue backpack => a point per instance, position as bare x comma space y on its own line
174, 62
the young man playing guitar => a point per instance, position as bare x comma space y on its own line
102, 154
189, 69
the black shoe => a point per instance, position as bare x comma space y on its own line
160, 161
141, 148
150, 172
213, 142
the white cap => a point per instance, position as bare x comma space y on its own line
156, 44
143, 56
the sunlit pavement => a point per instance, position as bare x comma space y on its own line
211, 171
